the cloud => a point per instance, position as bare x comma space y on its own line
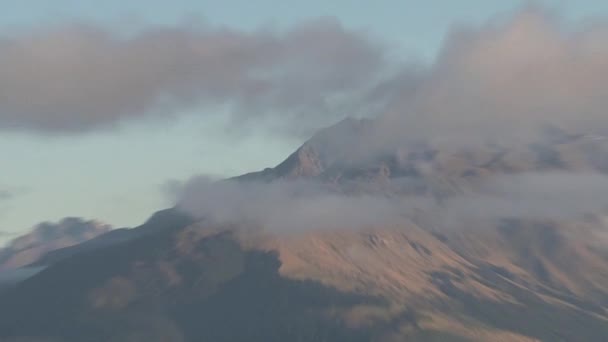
533, 195
296, 206
503, 82
80, 78
500, 82
8, 193
285, 206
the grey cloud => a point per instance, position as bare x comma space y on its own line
502, 82
11, 192
286, 206
547, 195
79, 77
293, 206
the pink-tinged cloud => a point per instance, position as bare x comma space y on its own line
80, 78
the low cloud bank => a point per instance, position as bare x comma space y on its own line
288, 206
284, 206
553, 195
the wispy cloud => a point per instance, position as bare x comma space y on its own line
533, 195
283, 206
295, 206
6, 195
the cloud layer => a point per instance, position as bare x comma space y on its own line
283, 206
295, 206
505, 80
500, 81
533, 195
79, 77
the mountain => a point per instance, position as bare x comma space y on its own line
47, 237
159, 221
504, 277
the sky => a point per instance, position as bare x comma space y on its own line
115, 170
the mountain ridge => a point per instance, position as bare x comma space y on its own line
47, 237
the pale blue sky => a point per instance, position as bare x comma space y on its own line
116, 176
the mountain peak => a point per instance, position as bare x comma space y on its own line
339, 145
